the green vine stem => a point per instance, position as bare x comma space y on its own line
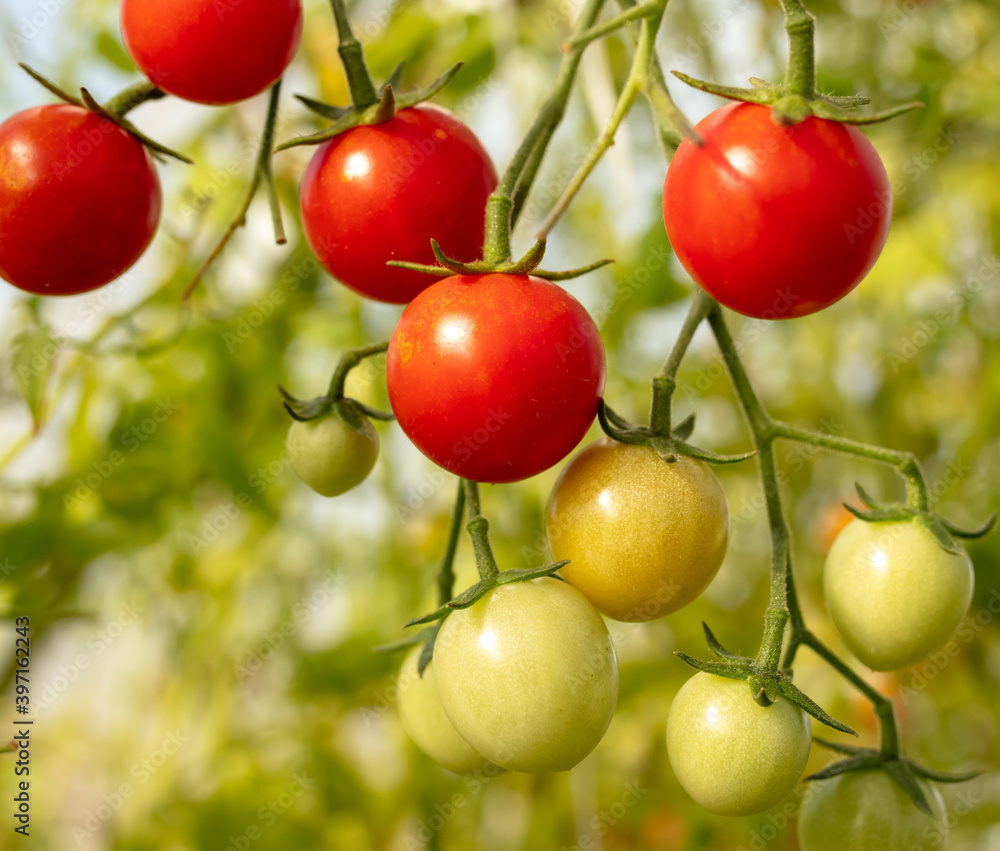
516, 181
263, 173
800, 25
352, 55
783, 608
128, 99
348, 361
446, 576
479, 529
638, 75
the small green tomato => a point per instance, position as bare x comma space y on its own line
893, 593
865, 810
335, 452
733, 756
528, 675
425, 722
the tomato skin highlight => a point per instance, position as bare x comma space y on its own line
893, 593
212, 51
495, 377
776, 222
863, 810
382, 192
80, 200
643, 537
733, 756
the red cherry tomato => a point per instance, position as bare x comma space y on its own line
79, 200
495, 377
382, 192
776, 222
212, 51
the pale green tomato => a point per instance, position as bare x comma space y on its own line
330, 454
893, 593
733, 756
528, 675
643, 537
866, 810
425, 722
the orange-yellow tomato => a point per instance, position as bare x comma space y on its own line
643, 537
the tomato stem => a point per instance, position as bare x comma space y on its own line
446, 576
478, 528
128, 99
263, 173
348, 361
507, 201
665, 381
352, 56
800, 25
638, 75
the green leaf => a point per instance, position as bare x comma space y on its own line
33, 363
111, 50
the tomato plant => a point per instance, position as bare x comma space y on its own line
495, 377
861, 810
212, 52
382, 192
773, 221
893, 593
643, 537
425, 722
80, 200
528, 675
333, 453
733, 756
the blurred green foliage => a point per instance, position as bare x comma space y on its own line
202, 624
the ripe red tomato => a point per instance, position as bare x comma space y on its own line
212, 51
79, 200
776, 222
495, 377
382, 192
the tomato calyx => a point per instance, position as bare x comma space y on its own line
667, 446
903, 771
946, 533
385, 107
115, 109
351, 410
766, 685
527, 265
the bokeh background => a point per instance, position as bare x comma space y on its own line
203, 623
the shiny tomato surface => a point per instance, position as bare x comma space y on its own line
212, 51
79, 200
776, 222
382, 192
495, 377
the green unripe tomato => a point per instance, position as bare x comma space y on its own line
643, 537
893, 593
425, 722
333, 453
528, 675
864, 810
733, 756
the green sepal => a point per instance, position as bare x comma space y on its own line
403, 644
855, 763
944, 777
570, 274
346, 118
716, 646
933, 524
958, 532
394, 78
475, 593
720, 669
793, 109
129, 127
686, 427
437, 271
901, 772
48, 84
793, 694
334, 113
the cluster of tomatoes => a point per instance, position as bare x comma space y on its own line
497, 377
